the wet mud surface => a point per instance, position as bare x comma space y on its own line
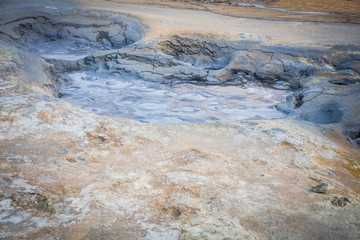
171, 101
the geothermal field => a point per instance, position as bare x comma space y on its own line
166, 119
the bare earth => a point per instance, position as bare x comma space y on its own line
66, 173
303, 10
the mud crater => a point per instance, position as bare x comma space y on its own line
187, 87
69, 38
178, 80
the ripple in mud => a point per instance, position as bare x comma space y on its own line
169, 102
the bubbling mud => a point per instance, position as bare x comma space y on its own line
171, 101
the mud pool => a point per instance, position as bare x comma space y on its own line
161, 101
64, 49
173, 98
171, 101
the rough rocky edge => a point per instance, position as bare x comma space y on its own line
67, 173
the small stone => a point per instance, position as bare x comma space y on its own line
70, 159
340, 201
323, 188
63, 34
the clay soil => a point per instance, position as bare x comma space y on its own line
344, 11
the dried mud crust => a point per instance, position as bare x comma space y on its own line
344, 11
332, 6
100, 175
335, 6
200, 54
80, 33
204, 59
72, 174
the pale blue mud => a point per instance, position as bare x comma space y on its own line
171, 101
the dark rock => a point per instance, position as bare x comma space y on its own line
340, 201
32, 201
353, 136
324, 188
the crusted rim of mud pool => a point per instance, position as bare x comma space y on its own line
81, 32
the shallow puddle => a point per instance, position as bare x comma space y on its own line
170, 101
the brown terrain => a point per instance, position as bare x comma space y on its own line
67, 172
338, 11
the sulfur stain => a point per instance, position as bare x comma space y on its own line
324, 147
45, 116
340, 154
352, 166
323, 162
288, 145
347, 153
